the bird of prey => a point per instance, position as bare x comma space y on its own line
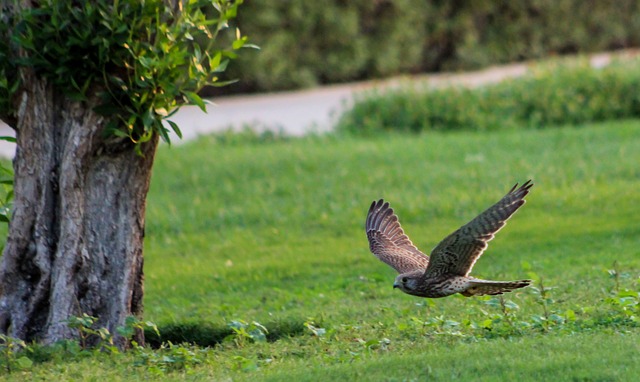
446, 271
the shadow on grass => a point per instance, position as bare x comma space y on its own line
206, 334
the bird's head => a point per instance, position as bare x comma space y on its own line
408, 282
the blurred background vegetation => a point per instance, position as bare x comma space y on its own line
253, 273
306, 43
552, 94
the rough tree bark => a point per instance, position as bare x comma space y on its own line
75, 239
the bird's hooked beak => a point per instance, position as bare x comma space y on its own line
396, 285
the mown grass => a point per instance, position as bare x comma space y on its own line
243, 232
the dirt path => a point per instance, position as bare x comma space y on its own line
302, 111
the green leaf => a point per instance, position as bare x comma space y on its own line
487, 324
146, 136
173, 111
24, 363
164, 135
120, 133
148, 119
145, 61
214, 61
221, 67
138, 150
14, 86
195, 99
119, 82
237, 44
218, 84
7, 138
175, 128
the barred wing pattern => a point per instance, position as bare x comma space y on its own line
388, 241
458, 252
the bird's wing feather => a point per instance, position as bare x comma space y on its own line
458, 252
388, 241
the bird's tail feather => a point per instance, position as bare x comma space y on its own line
481, 287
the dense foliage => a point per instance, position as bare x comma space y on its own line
551, 95
305, 43
141, 59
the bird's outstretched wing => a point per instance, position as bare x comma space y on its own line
458, 252
389, 243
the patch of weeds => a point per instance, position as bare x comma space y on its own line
503, 318
11, 355
59, 351
618, 276
625, 302
90, 337
374, 344
621, 308
244, 333
434, 325
133, 325
315, 330
549, 318
503, 322
500, 317
358, 348
168, 358
442, 325
240, 363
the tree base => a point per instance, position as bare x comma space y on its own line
76, 237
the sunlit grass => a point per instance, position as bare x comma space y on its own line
273, 233
275, 230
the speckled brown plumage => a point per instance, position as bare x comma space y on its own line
447, 270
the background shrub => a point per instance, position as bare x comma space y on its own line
549, 96
305, 43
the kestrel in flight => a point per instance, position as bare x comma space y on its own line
446, 272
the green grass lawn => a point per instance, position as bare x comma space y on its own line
272, 232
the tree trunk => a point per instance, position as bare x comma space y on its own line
75, 239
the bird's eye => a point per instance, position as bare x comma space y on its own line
404, 280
